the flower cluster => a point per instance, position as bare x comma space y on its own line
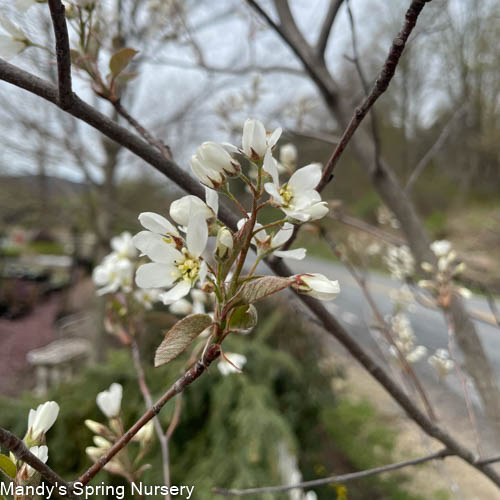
406, 340
442, 284
400, 262
109, 402
441, 362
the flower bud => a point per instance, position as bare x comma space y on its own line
224, 243
41, 420
288, 155
109, 401
181, 208
212, 163
96, 427
317, 286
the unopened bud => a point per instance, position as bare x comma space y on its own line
224, 243
96, 427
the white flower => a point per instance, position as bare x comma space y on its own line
147, 296
181, 209
113, 273
109, 402
317, 286
183, 307
256, 141
175, 262
288, 155
212, 163
400, 262
40, 452
298, 198
441, 247
42, 419
14, 44
123, 246
441, 362
224, 243
226, 368
417, 354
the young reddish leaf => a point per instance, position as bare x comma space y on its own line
119, 60
8, 466
180, 336
258, 288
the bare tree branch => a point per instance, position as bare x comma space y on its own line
57, 12
333, 10
434, 149
136, 145
343, 478
380, 86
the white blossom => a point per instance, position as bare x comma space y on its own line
42, 419
145, 434
176, 263
109, 402
147, 296
114, 273
441, 247
317, 286
227, 368
256, 141
212, 164
181, 209
298, 198
40, 452
123, 246
288, 156
183, 307
224, 243
400, 262
441, 362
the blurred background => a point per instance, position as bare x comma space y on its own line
301, 406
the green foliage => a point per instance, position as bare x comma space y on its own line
231, 426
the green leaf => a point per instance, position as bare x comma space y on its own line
8, 466
256, 289
244, 318
119, 60
180, 336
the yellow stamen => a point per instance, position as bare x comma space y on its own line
286, 194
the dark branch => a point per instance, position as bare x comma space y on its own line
326, 29
380, 86
83, 111
22, 453
344, 478
57, 12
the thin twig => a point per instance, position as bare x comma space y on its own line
380, 86
326, 29
175, 418
57, 13
366, 89
211, 354
165, 150
463, 381
344, 478
434, 149
146, 394
384, 327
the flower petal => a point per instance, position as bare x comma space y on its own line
156, 248
157, 223
271, 168
295, 254
282, 236
212, 199
306, 178
177, 292
197, 234
156, 275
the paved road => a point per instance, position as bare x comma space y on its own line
352, 310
